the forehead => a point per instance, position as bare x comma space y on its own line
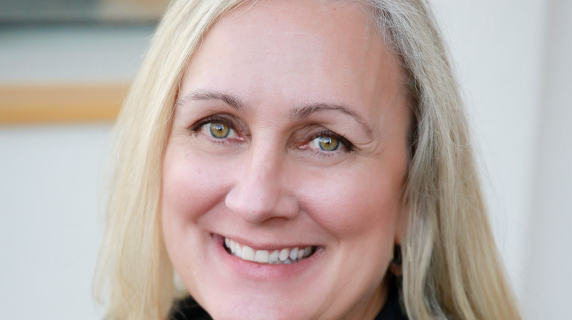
296, 52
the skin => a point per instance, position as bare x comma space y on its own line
269, 184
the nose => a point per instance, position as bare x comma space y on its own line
260, 192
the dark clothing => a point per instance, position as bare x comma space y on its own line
188, 309
392, 309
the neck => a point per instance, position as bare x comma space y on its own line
370, 306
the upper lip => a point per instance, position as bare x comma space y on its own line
267, 246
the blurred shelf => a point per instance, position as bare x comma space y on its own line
123, 12
24, 104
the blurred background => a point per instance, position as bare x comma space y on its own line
65, 66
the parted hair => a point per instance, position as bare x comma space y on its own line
450, 267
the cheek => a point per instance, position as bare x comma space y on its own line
191, 185
355, 203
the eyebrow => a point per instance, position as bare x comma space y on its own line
296, 114
199, 95
306, 111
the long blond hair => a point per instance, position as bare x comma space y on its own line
451, 267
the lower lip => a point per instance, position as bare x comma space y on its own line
263, 271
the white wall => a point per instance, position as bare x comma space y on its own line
499, 48
49, 227
548, 288
513, 58
49, 233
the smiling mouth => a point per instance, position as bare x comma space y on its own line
279, 256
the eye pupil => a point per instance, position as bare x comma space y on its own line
219, 130
329, 144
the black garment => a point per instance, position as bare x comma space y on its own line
392, 308
189, 309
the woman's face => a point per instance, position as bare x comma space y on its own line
288, 138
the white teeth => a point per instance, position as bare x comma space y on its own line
274, 256
284, 256
261, 256
293, 253
247, 253
237, 250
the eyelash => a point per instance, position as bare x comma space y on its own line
348, 146
218, 119
195, 128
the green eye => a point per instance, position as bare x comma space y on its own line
328, 143
219, 130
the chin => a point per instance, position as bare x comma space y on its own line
254, 308
231, 286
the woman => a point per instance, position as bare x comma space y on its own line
298, 160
